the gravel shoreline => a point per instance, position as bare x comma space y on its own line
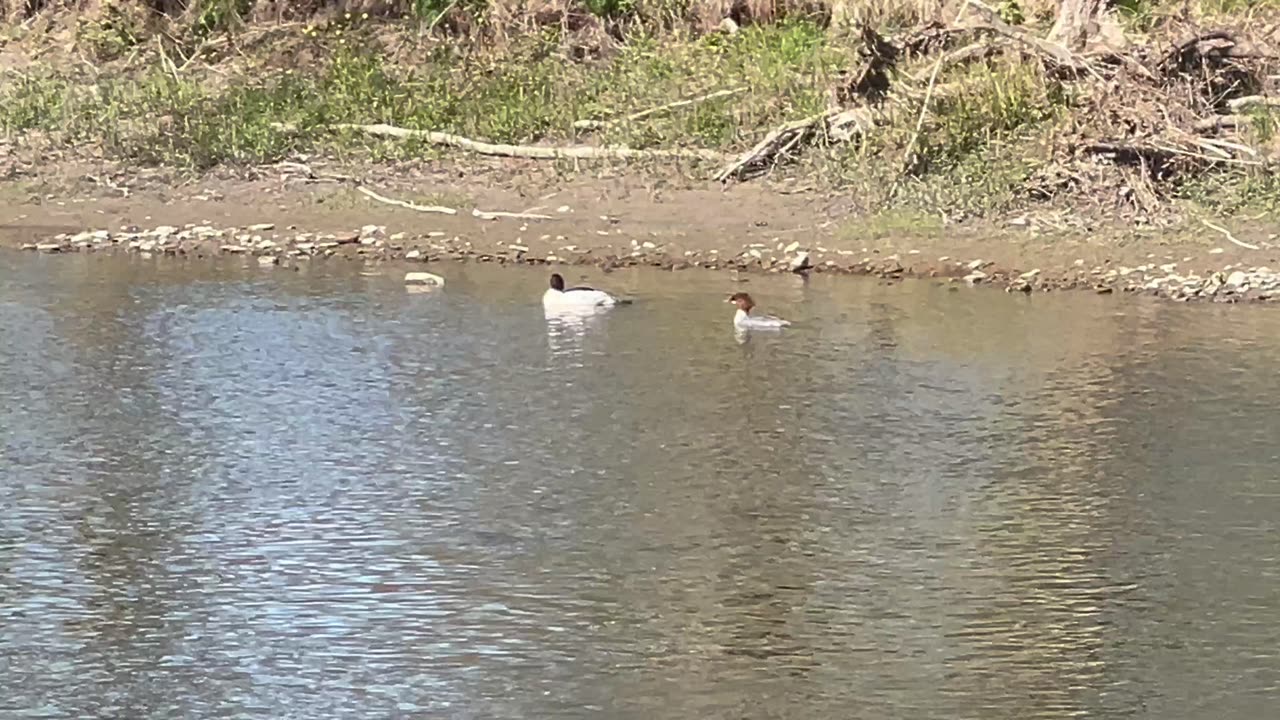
372, 243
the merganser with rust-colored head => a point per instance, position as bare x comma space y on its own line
744, 320
558, 296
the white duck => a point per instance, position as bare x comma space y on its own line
558, 297
744, 320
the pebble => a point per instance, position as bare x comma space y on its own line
1232, 283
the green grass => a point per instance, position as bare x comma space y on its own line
528, 94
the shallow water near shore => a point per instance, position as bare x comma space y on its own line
236, 492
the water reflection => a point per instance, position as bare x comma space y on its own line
568, 326
237, 494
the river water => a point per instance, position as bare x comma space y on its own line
228, 492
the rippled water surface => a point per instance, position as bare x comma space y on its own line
235, 493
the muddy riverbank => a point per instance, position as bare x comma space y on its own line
607, 223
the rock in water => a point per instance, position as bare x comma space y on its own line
423, 278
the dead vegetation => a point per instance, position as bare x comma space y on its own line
1144, 117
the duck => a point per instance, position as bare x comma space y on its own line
558, 296
744, 320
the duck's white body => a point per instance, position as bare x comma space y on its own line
554, 299
744, 321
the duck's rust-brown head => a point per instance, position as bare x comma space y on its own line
742, 300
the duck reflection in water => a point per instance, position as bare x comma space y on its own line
568, 326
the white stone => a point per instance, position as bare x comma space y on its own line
423, 278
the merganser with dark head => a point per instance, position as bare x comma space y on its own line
744, 320
559, 297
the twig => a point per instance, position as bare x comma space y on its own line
165, 61
1227, 234
596, 124
440, 15
495, 214
412, 206
537, 152
288, 166
924, 108
974, 51
1240, 103
841, 125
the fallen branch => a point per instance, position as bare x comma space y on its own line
571, 152
1219, 144
1227, 234
1135, 153
1057, 54
1205, 158
412, 206
839, 125
308, 174
495, 214
1220, 122
597, 124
